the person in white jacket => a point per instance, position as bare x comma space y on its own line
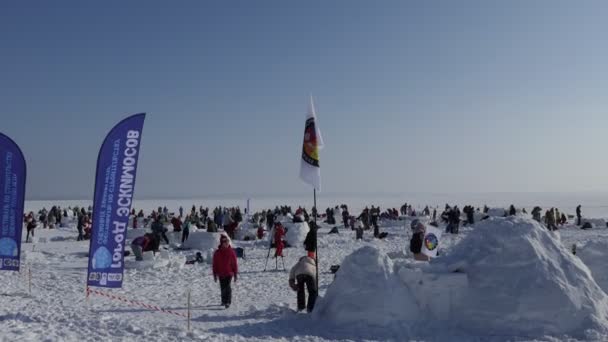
304, 273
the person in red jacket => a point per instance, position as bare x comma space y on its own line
260, 232
279, 232
225, 267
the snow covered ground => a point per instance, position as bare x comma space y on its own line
263, 304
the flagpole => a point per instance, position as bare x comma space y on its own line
314, 192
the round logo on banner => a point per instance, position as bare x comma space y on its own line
102, 258
431, 242
310, 151
8, 247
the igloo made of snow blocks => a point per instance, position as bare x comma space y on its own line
508, 277
521, 280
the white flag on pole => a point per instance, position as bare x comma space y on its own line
431, 242
310, 171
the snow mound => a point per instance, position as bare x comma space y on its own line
522, 280
594, 254
496, 212
246, 231
366, 292
296, 233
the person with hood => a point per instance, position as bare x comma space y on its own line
418, 231
536, 211
578, 215
225, 267
304, 273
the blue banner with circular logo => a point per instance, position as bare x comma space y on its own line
12, 191
114, 188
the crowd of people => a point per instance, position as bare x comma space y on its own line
303, 275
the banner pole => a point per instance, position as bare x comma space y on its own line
314, 192
29, 271
189, 315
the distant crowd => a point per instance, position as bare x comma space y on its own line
268, 223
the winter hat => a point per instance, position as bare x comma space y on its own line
414, 224
418, 226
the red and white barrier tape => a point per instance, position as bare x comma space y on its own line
135, 303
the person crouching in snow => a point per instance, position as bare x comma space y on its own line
304, 273
147, 242
279, 244
418, 231
225, 267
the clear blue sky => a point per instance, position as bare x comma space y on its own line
437, 96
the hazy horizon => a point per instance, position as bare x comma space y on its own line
334, 195
431, 97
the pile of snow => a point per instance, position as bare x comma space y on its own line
296, 233
366, 292
246, 230
523, 281
496, 212
155, 261
594, 255
478, 216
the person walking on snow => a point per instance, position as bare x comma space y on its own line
578, 215
225, 267
31, 225
304, 274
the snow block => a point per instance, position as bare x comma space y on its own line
594, 254
367, 292
296, 233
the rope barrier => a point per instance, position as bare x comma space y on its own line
135, 303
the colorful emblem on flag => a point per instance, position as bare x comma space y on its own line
431, 241
310, 150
